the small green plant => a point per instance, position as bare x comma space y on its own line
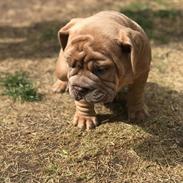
18, 86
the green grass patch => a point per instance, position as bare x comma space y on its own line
140, 13
143, 18
49, 34
137, 6
19, 86
153, 21
167, 14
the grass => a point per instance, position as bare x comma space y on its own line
137, 6
20, 87
154, 22
50, 32
38, 143
51, 169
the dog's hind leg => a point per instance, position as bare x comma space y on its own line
137, 110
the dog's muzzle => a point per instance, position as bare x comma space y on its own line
79, 92
88, 94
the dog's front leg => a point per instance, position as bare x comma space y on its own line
85, 116
61, 72
137, 109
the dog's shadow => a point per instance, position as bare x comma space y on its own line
165, 125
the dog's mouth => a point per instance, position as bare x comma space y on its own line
95, 96
90, 96
77, 95
91, 90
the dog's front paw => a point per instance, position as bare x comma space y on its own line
85, 122
59, 86
138, 115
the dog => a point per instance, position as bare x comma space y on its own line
99, 56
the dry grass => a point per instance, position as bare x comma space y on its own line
37, 142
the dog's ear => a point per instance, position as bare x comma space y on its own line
63, 33
135, 44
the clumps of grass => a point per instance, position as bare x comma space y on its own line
137, 6
20, 87
167, 14
152, 21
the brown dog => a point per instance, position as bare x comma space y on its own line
101, 55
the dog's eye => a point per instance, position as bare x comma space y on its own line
99, 70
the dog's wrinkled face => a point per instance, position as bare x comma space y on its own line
103, 57
92, 73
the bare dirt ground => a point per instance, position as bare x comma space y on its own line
37, 142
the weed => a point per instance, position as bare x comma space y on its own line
18, 86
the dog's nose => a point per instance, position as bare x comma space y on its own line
80, 90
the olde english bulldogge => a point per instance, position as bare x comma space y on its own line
101, 55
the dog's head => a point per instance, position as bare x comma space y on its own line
101, 58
